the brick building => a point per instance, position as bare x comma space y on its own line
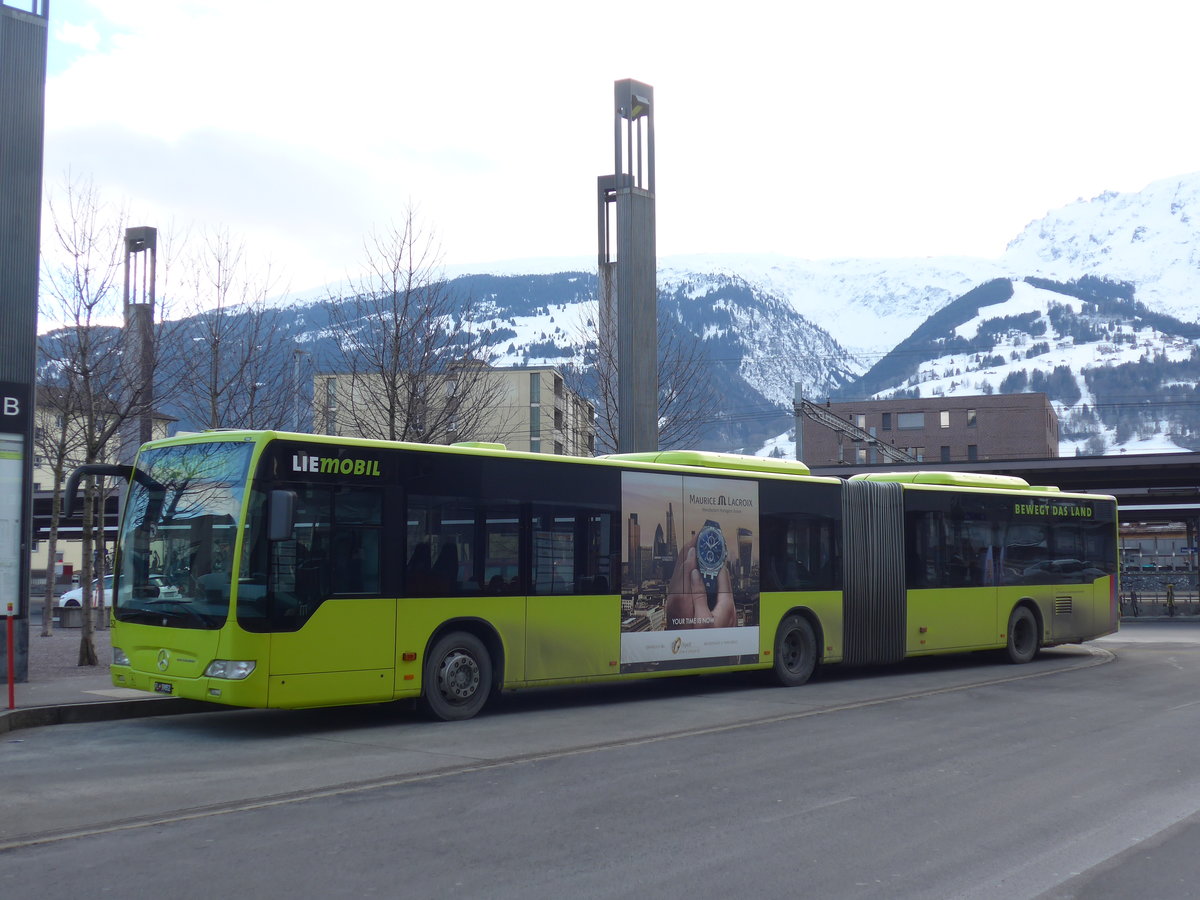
934, 429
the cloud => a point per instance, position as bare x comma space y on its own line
872, 129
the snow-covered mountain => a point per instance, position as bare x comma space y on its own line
1150, 239
1119, 375
1095, 303
1139, 248
863, 327
756, 347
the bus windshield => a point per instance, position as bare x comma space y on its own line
178, 535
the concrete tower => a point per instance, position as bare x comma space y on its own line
23, 39
627, 266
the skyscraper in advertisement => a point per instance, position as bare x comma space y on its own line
672, 541
633, 558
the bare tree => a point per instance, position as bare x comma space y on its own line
87, 356
57, 441
409, 364
685, 396
227, 352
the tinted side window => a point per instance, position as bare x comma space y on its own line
459, 548
801, 536
336, 549
573, 551
949, 541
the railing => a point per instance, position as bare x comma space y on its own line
1180, 602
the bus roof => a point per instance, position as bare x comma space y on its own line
696, 459
953, 479
711, 460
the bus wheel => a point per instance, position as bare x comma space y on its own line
458, 677
1022, 635
795, 651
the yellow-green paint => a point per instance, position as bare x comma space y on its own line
345, 634
944, 619
576, 635
824, 607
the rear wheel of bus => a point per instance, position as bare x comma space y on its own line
795, 651
458, 677
1023, 638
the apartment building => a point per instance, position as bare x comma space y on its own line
529, 408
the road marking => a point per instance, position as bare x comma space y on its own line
1097, 656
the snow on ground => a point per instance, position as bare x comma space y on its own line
783, 445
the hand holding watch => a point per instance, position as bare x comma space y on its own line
710, 557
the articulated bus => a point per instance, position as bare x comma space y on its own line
266, 569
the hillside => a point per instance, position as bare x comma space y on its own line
1095, 303
1120, 376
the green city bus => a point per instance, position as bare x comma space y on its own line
267, 569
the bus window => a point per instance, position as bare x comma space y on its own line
441, 544
924, 544
502, 538
968, 542
458, 548
335, 550
355, 542
948, 542
1025, 554
571, 551
553, 554
799, 553
1099, 549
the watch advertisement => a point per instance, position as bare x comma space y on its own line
689, 573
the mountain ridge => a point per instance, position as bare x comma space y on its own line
1094, 302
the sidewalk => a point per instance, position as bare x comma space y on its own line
60, 691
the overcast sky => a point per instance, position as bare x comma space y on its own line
810, 129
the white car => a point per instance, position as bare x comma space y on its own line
75, 597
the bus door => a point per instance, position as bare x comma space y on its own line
573, 621
951, 573
333, 636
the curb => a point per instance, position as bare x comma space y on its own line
75, 713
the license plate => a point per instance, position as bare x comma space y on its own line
163, 687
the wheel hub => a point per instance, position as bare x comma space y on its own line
791, 651
459, 676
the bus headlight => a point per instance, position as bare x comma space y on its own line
119, 657
231, 669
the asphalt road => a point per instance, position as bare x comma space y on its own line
1073, 776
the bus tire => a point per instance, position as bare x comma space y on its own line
458, 677
1023, 639
795, 651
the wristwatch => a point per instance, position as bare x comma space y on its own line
710, 557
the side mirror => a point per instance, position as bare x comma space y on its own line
281, 515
